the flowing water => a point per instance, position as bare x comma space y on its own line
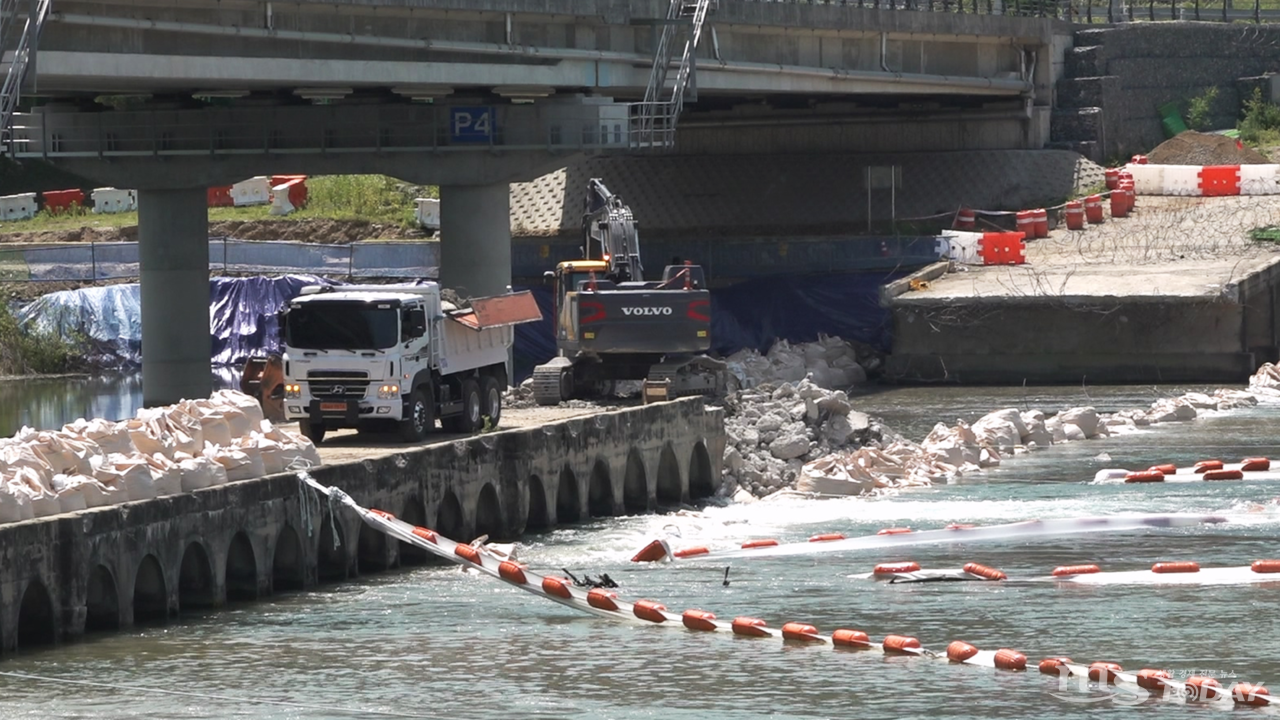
436, 643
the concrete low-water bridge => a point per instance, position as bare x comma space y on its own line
473, 95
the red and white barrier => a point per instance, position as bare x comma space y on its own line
1258, 468
1206, 180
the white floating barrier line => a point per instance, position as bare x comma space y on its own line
658, 550
507, 571
1207, 470
1246, 575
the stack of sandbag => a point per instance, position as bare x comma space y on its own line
828, 362
162, 451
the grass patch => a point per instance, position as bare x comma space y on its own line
24, 353
373, 198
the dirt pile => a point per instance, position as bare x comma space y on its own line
1193, 148
313, 230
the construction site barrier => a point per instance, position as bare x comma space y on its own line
18, 207
111, 200
56, 201
1205, 181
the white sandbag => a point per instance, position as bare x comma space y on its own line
150, 436
214, 428
239, 464
296, 451
43, 500
68, 489
272, 453
182, 418
166, 475
68, 454
24, 455
15, 502
131, 476
110, 437
244, 403
201, 472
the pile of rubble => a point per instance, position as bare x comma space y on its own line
829, 362
803, 437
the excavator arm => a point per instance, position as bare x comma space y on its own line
610, 233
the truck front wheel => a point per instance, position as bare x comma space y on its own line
313, 431
419, 418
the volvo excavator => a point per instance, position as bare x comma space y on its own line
611, 324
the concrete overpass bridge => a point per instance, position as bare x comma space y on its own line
471, 95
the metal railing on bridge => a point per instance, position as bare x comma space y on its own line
1081, 11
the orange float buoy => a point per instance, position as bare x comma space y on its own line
894, 531
1223, 475
1167, 468
800, 631
653, 552
1166, 568
557, 586
1206, 465
850, 638
649, 610
425, 534
959, 651
1144, 476
1054, 666
1202, 688
699, 620
468, 553
895, 568
826, 537
602, 599
749, 626
1065, 570
1265, 566
1255, 464
511, 572
1007, 659
989, 573
1104, 672
751, 544
1250, 694
900, 644
1149, 679
690, 552
382, 513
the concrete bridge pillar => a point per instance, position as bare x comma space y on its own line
475, 238
173, 249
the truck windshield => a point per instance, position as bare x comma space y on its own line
342, 326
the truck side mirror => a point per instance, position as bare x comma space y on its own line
547, 277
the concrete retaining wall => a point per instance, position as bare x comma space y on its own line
113, 567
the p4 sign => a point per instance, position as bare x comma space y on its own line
471, 124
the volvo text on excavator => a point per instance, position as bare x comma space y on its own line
611, 324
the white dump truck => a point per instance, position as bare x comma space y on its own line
379, 357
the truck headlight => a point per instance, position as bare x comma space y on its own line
388, 392
292, 392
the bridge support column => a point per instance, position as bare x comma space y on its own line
475, 238
173, 250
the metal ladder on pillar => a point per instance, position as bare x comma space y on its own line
655, 121
24, 45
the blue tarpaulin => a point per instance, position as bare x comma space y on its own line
752, 314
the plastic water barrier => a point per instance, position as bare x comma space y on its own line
1252, 469
1206, 180
658, 550
606, 604
1163, 573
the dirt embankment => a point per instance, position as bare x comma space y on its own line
315, 230
1194, 148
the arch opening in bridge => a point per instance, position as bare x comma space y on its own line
331, 552
700, 474
635, 485
600, 502
102, 602
415, 514
242, 570
371, 549
669, 483
195, 579
287, 569
150, 595
538, 518
489, 514
449, 520
35, 617
568, 504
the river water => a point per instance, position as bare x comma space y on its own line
435, 643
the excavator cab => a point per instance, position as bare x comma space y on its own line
571, 278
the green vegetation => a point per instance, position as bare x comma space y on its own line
23, 353
1261, 123
1200, 108
375, 198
